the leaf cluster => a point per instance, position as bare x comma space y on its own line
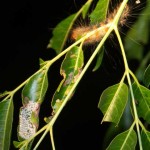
113, 101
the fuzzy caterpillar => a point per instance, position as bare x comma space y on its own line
26, 128
81, 31
32, 97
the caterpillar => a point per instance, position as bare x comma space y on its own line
81, 31
26, 126
32, 97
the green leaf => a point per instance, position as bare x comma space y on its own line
36, 88
147, 76
60, 34
86, 8
4, 94
70, 70
139, 34
6, 118
42, 62
142, 96
32, 96
61, 31
110, 133
124, 124
100, 11
18, 144
124, 141
142, 66
145, 137
22, 145
113, 101
99, 59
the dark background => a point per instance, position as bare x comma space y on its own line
25, 33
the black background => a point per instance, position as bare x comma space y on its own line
25, 32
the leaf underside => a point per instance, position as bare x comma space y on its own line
113, 101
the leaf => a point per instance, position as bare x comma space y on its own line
124, 124
86, 8
70, 70
142, 96
145, 137
36, 88
6, 119
41, 62
147, 76
32, 96
99, 59
138, 36
61, 31
22, 145
100, 11
124, 141
113, 101
142, 66
17, 144
110, 133
4, 94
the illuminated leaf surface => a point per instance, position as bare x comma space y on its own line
61, 31
85, 8
6, 118
124, 141
113, 101
70, 70
36, 88
142, 96
60, 34
100, 11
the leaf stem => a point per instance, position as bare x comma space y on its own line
134, 77
72, 22
81, 75
52, 138
26, 142
23, 83
42, 137
130, 86
111, 27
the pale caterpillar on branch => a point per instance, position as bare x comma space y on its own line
81, 31
27, 127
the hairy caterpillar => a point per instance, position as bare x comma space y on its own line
32, 97
81, 31
26, 126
